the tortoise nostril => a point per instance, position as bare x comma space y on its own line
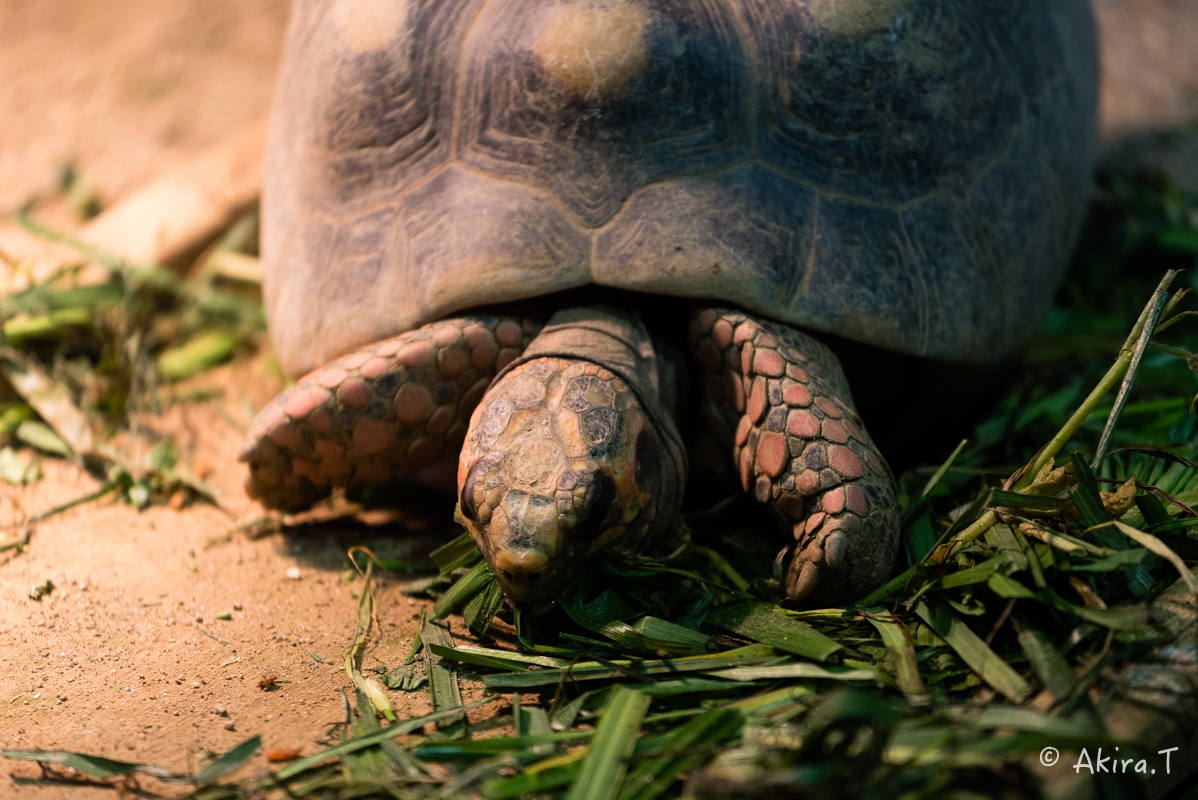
506, 574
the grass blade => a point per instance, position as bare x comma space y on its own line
591, 671
469, 585
49, 398
401, 676
676, 638
605, 764
1155, 306
794, 671
199, 353
442, 679
1050, 666
499, 659
391, 732
652, 778
229, 762
368, 686
531, 784
478, 659
461, 552
757, 621
1150, 542
1108, 381
96, 766
974, 652
481, 610
897, 638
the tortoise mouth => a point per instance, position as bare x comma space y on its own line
536, 544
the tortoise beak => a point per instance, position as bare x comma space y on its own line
525, 541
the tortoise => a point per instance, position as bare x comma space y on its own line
907, 174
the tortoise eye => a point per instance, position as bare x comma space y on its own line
598, 506
466, 501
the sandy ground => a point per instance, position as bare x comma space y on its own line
120, 659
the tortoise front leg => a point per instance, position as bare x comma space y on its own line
380, 412
801, 449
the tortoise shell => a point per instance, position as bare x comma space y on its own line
905, 173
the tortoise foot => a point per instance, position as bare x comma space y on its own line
802, 450
378, 413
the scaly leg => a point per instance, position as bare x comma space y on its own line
380, 412
783, 400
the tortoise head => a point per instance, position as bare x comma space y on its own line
560, 461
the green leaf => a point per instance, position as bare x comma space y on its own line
1139, 581
365, 684
1150, 542
229, 762
675, 638
42, 436
461, 552
201, 352
162, 457
392, 732
400, 677
563, 718
1050, 666
1153, 511
532, 721
1006, 587
943, 470
523, 620
532, 783
96, 766
471, 749
1030, 503
653, 777
1027, 719
1180, 238
12, 415
599, 615
1086, 496
979, 573
442, 679
16, 470
920, 538
794, 672
481, 610
469, 585
479, 659
897, 639
499, 659
605, 764
1126, 617
590, 671
1110, 562
973, 651
757, 621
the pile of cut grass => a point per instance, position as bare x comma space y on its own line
1041, 560
92, 346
